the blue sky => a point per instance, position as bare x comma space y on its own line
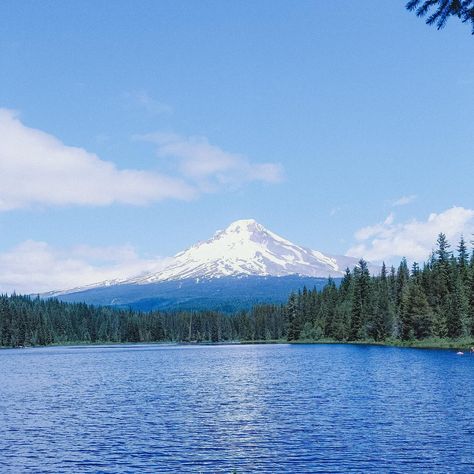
314, 118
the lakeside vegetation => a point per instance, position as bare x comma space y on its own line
428, 306
432, 301
433, 343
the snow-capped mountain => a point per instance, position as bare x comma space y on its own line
247, 248
240, 266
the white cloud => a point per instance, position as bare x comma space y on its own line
35, 267
369, 231
413, 239
36, 168
210, 167
404, 200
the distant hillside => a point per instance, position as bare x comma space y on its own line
226, 294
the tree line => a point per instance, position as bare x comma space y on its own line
26, 321
434, 300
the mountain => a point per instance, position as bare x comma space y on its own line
247, 248
243, 263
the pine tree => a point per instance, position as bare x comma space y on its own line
403, 276
415, 313
439, 11
383, 317
458, 311
360, 301
294, 318
441, 284
443, 251
463, 257
346, 284
327, 312
421, 315
470, 299
404, 317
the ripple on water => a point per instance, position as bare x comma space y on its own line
275, 408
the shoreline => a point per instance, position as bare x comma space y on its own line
462, 344
440, 344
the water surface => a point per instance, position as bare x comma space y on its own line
255, 408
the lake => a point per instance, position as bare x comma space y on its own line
248, 408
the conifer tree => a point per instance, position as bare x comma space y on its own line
439, 11
443, 251
458, 311
403, 276
441, 285
463, 257
470, 299
360, 301
421, 316
383, 317
404, 316
294, 318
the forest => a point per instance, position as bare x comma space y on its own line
435, 300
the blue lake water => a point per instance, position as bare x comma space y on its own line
261, 408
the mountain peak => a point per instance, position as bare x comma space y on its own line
246, 247
242, 222
244, 225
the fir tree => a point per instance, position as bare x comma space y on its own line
438, 11
403, 276
383, 317
463, 257
420, 314
470, 299
443, 253
360, 301
458, 311
294, 318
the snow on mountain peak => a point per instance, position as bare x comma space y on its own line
246, 247
236, 226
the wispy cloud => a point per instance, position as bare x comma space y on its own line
35, 267
404, 200
413, 239
146, 102
209, 167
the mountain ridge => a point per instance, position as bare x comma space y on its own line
244, 249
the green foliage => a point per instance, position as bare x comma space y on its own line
416, 315
311, 333
30, 322
295, 316
436, 300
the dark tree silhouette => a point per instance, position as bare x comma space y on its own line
438, 11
